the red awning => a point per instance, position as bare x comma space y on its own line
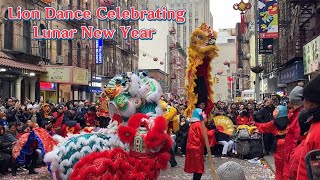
9, 61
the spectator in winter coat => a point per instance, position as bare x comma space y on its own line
244, 118
91, 116
311, 102
58, 117
28, 114
265, 116
69, 115
182, 135
278, 128
12, 129
5, 152
47, 125
297, 151
11, 107
296, 102
44, 113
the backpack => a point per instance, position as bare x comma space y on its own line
243, 147
243, 134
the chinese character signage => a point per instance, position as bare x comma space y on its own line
292, 73
268, 18
311, 56
265, 46
99, 48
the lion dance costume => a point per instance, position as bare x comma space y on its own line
136, 148
201, 52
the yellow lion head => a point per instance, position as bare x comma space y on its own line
203, 40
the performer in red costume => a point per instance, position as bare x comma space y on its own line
194, 162
278, 128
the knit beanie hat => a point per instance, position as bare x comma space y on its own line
282, 111
303, 122
230, 171
311, 91
295, 96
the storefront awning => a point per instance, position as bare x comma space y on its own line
8, 61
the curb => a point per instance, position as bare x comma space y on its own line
269, 160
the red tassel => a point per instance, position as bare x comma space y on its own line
242, 23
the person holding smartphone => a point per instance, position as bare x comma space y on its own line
311, 102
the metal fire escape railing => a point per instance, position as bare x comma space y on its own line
304, 12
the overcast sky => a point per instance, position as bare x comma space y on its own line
224, 16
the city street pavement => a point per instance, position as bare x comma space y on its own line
253, 171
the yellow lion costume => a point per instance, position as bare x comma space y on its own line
172, 117
201, 52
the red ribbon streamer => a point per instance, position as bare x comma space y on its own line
242, 23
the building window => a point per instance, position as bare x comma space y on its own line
78, 55
43, 44
70, 4
87, 60
197, 22
70, 53
190, 27
8, 33
59, 47
26, 37
59, 2
79, 4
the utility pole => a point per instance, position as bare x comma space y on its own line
257, 83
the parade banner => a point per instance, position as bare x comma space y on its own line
99, 55
66, 75
311, 56
266, 46
80, 76
268, 18
57, 74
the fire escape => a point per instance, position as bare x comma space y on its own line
27, 49
302, 14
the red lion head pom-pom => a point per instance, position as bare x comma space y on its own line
126, 134
168, 143
135, 120
154, 140
159, 124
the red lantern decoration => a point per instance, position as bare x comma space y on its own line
230, 79
155, 59
242, 7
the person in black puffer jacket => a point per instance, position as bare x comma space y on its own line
265, 116
6, 143
182, 135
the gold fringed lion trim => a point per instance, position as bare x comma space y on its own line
195, 59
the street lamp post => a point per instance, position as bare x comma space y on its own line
257, 83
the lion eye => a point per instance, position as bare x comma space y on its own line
199, 37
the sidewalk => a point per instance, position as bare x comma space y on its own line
269, 159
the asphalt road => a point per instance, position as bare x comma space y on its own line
253, 171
